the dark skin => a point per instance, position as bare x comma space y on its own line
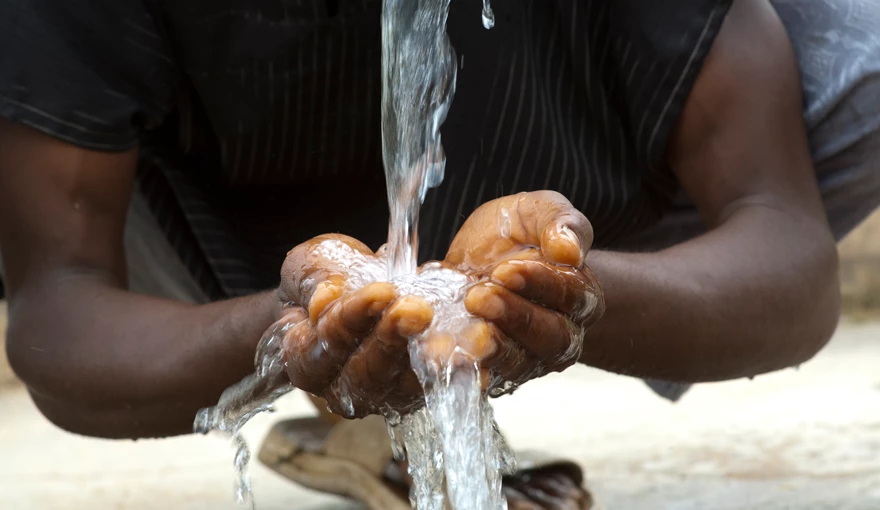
536, 300
757, 293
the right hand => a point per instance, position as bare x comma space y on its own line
348, 346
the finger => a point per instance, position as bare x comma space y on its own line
560, 486
319, 353
564, 233
324, 258
306, 360
542, 499
347, 322
477, 342
511, 363
315, 354
547, 219
574, 292
516, 500
273, 342
501, 359
325, 293
562, 244
291, 315
406, 394
549, 336
384, 355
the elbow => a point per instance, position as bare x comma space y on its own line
33, 359
66, 415
57, 402
816, 308
24, 356
43, 375
827, 304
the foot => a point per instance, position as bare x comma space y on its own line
551, 488
556, 487
349, 458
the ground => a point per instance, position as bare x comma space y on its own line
805, 440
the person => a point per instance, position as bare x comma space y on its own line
687, 170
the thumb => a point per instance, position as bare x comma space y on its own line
565, 233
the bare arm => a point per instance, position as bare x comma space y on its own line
97, 359
759, 291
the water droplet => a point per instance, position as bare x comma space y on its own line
347, 404
488, 15
504, 223
242, 401
391, 416
506, 388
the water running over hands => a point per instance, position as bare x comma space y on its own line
452, 445
454, 451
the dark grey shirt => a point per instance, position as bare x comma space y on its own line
260, 127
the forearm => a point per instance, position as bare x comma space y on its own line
757, 294
99, 360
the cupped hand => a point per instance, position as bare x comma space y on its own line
346, 338
535, 291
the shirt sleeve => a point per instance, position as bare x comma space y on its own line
91, 72
666, 45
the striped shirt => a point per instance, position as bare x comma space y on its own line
259, 120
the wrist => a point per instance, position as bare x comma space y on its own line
242, 322
614, 271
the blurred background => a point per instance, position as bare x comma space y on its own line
806, 439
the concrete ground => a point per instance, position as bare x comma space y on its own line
805, 440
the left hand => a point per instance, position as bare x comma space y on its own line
537, 294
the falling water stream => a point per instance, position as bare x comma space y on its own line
455, 454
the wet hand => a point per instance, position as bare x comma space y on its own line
536, 295
346, 341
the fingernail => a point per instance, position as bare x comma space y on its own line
409, 327
565, 247
509, 276
376, 308
440, 347
478, 341
325, 294
572, 239
484, 302
413, 315
382, 295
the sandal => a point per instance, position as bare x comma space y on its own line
353, 459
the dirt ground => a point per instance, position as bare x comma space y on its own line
799, 440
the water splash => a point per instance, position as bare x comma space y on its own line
488, 15
455, 452
251, 396
418, 83
504, 223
